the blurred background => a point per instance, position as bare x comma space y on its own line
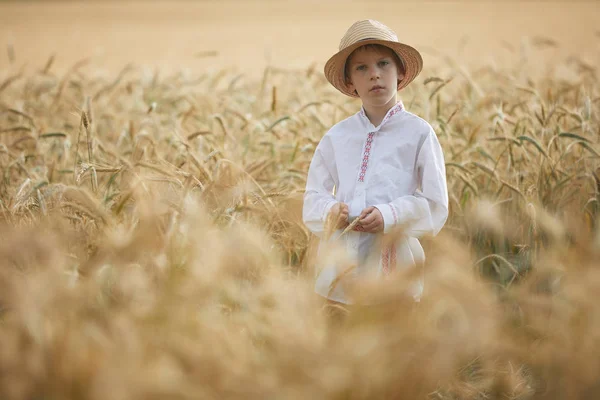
249, 34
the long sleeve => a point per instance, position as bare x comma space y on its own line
426, 211
318, 197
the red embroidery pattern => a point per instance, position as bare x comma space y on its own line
394, 214
395, 109
367, 152
366, 155
388, 259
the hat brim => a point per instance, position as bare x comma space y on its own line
335, 66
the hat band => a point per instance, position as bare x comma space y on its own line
356, 37
358, 41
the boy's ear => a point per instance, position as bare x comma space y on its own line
400, 78
350, 84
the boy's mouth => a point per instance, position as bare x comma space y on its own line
376, 87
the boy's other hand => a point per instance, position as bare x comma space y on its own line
371, 220
339, 211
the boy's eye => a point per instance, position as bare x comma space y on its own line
383, 63
361, 68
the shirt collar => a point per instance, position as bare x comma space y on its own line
391, 112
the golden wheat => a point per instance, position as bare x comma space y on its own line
181, 268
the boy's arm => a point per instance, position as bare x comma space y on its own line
318, 197
425, 212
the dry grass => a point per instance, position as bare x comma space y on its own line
152, 243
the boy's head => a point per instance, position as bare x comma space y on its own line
371, 41
374, 72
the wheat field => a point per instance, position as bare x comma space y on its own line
152, 245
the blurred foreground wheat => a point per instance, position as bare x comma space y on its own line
152, 244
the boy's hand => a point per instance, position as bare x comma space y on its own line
371, 220
342, 210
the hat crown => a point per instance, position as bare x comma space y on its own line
367, 29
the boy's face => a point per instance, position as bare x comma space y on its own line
374, 74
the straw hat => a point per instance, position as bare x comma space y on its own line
371, 32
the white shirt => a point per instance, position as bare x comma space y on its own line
397, 167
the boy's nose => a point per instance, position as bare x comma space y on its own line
374, 73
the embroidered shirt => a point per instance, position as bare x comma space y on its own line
397, 167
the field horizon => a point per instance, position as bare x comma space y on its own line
248, 36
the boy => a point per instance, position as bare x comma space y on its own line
385, 163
